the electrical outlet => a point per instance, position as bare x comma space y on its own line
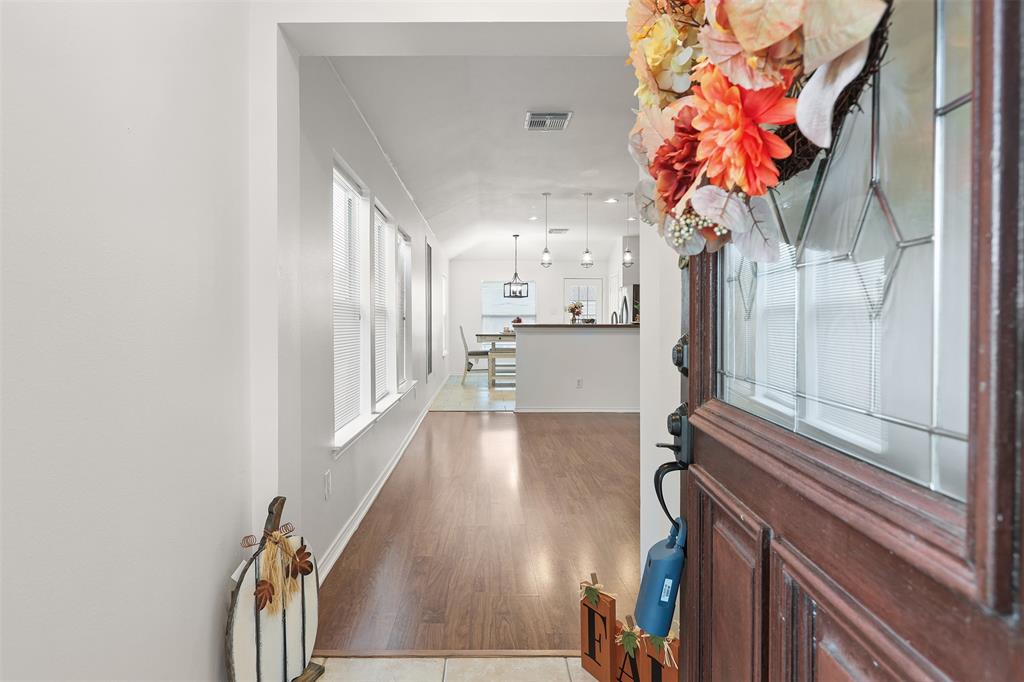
327, 484
579, 383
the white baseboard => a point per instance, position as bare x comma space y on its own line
618, 410
330, 556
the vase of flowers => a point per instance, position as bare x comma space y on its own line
575, 309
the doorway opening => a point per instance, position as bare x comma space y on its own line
515, 471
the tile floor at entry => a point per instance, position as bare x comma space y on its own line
474, 395
540, 669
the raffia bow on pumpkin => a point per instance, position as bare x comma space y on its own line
663, 645
280, 568
629, 638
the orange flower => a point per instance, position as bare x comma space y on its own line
675, 164
737, 149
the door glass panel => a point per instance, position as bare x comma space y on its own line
858, 336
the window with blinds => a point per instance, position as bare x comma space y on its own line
403, 260
383, 307
497, 312
345, 302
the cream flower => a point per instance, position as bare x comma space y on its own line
676, 74
661, 42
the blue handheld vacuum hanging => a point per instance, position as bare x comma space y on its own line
663, 569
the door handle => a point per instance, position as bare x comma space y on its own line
678, 426
659, 477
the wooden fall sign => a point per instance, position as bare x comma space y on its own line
613, 651
597, 629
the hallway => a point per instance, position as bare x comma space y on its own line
479, 538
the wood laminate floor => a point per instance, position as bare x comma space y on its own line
479, 538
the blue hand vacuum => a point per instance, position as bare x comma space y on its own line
663, 569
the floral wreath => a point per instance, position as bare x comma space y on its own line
735, 97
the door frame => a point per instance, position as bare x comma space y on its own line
963, 555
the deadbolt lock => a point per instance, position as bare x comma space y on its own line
681, 355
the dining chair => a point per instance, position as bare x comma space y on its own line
471, 355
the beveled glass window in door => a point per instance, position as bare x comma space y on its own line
858, 336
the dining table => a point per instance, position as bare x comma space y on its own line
494, 338
505, 353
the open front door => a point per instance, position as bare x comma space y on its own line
855, 500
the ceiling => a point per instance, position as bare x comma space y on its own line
453, 127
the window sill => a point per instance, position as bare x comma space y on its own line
346, 437
386, 403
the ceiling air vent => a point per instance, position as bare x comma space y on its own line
547, 121
558, 230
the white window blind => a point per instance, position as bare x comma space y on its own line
444, 315
403, 260
844, 359
345, 303
497, 312
382, 308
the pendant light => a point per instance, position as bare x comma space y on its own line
587, 260
516, 288
627, 255
545, 255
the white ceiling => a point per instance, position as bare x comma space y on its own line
453, 127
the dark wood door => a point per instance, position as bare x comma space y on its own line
843, 524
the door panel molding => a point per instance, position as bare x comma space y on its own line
912, 522
958, 633
994, 508
731, 547
819, 631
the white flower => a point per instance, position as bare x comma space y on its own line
750, 220
685, 240
676, 74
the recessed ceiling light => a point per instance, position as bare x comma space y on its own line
611, 200
533, 217
631, 219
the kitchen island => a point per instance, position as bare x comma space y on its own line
578, 368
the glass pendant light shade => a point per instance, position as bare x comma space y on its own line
515, 287
545, 258
587, 259
627, 255
545, 255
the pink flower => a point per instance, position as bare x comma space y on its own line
763, 69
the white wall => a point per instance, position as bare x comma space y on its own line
660, 318
332, 128
578, 369
126, 469
143, 307
466, 276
